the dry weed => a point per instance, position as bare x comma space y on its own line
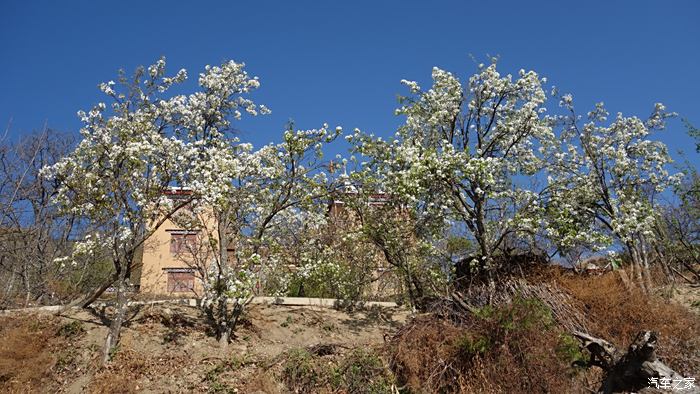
28, 352
617, 314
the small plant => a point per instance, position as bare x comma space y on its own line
72, 329
523, 314
113, 352
213, 379
570, 351
289, 320
66, 359
237, 362
300, 372
362, 371
484, 312
173, 335
469, 346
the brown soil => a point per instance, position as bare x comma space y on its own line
166, 348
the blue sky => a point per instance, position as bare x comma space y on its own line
341, 62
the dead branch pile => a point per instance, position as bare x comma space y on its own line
565, 309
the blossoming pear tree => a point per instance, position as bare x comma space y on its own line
401, 232
604, 179
460, 150
252, 194
137, 147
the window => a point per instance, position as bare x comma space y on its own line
180, 280
182, 242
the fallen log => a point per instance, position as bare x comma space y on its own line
637, 370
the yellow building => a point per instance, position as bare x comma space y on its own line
173, 259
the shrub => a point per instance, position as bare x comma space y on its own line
362, 371
301, 373
322, 370
569, 349
72, 329
511, 348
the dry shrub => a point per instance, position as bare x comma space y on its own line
120, 375
303, 372
564, 309
618, 314
420, 347
360, 371
28, 353
523, 345
514, 348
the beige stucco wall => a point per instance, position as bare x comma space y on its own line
156, 259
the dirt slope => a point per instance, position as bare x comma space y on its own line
166, 348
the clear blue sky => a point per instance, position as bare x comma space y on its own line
341, 62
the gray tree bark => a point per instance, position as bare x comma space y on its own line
629, 371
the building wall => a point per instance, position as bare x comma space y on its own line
160, 264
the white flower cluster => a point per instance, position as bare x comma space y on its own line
146, 142
461, 147
602, 178
237, 284
89, 247
466, 152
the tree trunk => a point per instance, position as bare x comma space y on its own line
115, 327
8, 291
637, 267
27, 289
691, 269
631, 371
663, 261
645, 263
223, 323
224, 337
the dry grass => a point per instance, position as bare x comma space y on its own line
335, 370
618, 314
128, 366
524, 346
26, 356
165, 348
421, 347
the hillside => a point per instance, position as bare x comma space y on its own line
167, 348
